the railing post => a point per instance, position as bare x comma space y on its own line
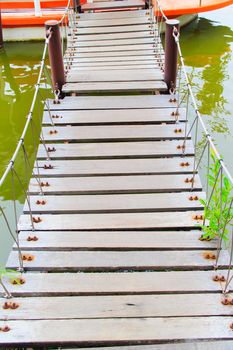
1, 35
55, 54
77, 6
171, 53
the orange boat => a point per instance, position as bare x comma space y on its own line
22, 14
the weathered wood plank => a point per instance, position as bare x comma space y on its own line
114, 14
117, 306
115, 132
108, 67
114, 86
141, 20
109, 5
113, 102
102, 76
107, 167
148, 202
123, 53
73, 60
116, 331
115, 221
106, 50
195, 345
118, 116
113, 29
157, 282
102, 261
112, 42
103, 150
113, 184
115, 64
116, 240
111, 36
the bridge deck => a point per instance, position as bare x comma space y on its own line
116, 258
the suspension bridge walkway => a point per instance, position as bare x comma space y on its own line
109, 238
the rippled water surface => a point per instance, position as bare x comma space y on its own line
207, 45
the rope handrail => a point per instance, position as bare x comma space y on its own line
66, 11
207, 134
190, 90
30, 114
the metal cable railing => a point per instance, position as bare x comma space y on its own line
30, 125
218, 206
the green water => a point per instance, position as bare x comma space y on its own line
208, 50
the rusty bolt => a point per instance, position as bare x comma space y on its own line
51, 149
49, 166
172, 100
43, 202
193, 198
44, 184
51, 132
218, 278
181, 147
5, 329
184, 164
225, 301
56, 102
178, 131
231, 326
30, 258
6, 305
189, 180
173, 114
36, 220
14, 306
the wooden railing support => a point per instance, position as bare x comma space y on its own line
171, 53
1, 35
55, 54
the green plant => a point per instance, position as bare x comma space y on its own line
218, 209
12, 274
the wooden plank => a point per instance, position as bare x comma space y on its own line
137, 21
116, 331
105, 167
157, 282
113, 42
110, 67
103, 150
113, 184
103, 261
111, 36
113, 5
132, 51
195, 345
150, 202
119, 116
112, 29
117, 306
114, 86
102, 76
109, 15
113, 221
116, 240
113, 102
129, 59
119, 49
115, 132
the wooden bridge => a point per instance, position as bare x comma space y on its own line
115, 258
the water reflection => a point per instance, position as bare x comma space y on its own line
19, 67
207, 48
